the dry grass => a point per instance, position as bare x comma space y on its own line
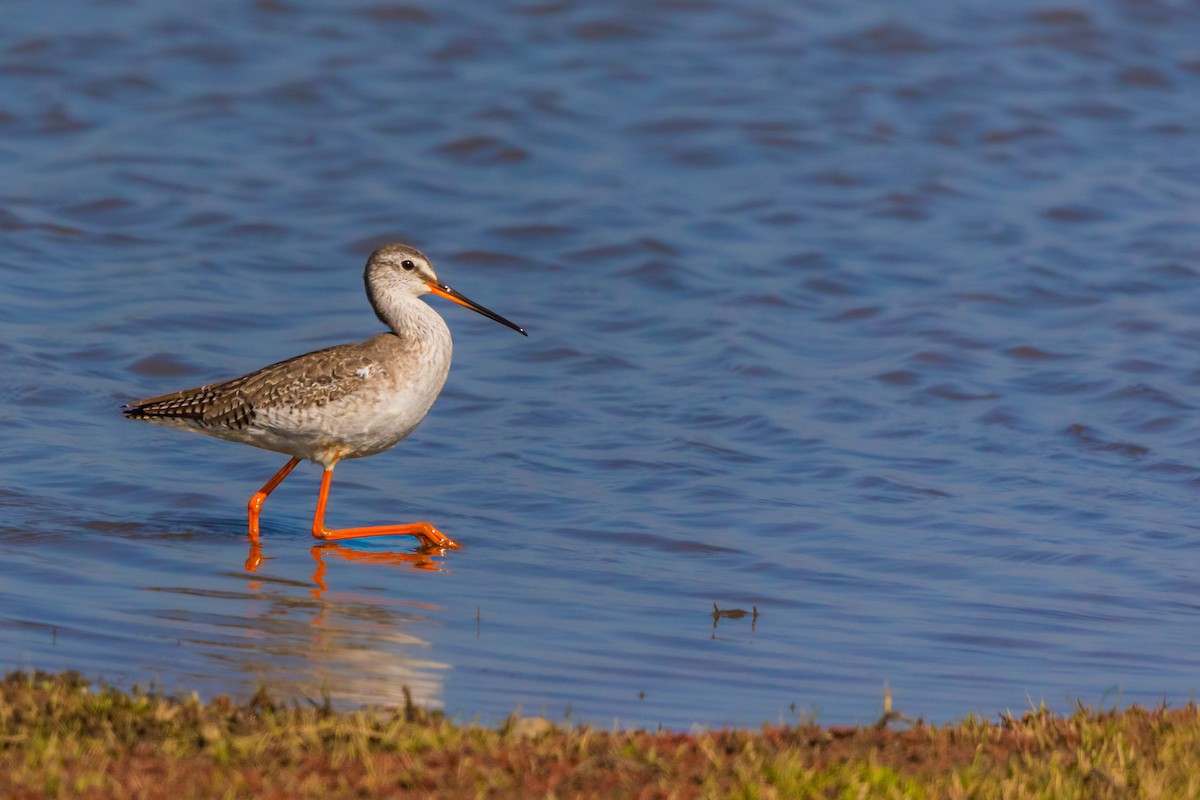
61, 737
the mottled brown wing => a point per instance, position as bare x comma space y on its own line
188, 404
313, 379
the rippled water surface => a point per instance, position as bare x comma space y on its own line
879, 319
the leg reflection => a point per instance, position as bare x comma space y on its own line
255, 558
425, 559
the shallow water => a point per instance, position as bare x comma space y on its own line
882, 323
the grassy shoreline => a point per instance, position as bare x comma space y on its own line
62, 737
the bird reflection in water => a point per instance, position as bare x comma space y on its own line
348, 645
422, 559
426, 558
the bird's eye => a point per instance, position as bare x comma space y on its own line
408, 265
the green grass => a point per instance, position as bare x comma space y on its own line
61, 737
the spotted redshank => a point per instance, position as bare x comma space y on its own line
348, 401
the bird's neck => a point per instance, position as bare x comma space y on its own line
411, 318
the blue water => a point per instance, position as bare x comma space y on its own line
878, 319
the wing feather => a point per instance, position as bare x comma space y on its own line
313, 379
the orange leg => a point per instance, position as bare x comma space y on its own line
256, 502
425, 533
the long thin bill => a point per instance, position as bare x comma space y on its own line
442, 290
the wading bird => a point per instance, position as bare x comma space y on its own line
348, 401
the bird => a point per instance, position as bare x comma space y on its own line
348, 401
